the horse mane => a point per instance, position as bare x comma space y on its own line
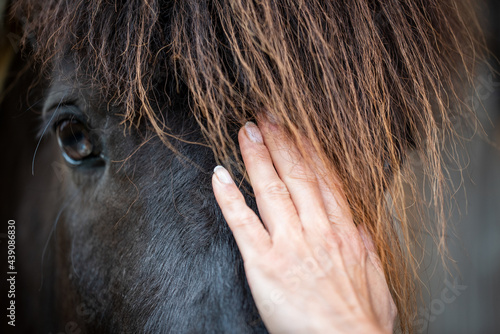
366, 81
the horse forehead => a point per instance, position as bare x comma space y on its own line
67, 86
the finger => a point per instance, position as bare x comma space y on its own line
248, 231
337, 207
298, 177
380, 294
334, 199
320, 201
370, 246
276, 208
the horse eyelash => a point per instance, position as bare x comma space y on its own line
54, 115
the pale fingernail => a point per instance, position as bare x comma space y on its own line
223, 175
270, 117
253, 132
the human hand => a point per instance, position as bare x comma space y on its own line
310, 269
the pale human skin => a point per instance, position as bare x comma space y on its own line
310, 269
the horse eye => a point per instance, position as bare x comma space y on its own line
75, 142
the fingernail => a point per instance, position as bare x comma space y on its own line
223, 175
270, 117
253, 132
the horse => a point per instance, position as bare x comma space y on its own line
118, 112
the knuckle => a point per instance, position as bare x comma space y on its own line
336, 212
232, 198
274, 189
332, 240
300, 174
352, 239
245, 221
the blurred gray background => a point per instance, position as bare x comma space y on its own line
466, 298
